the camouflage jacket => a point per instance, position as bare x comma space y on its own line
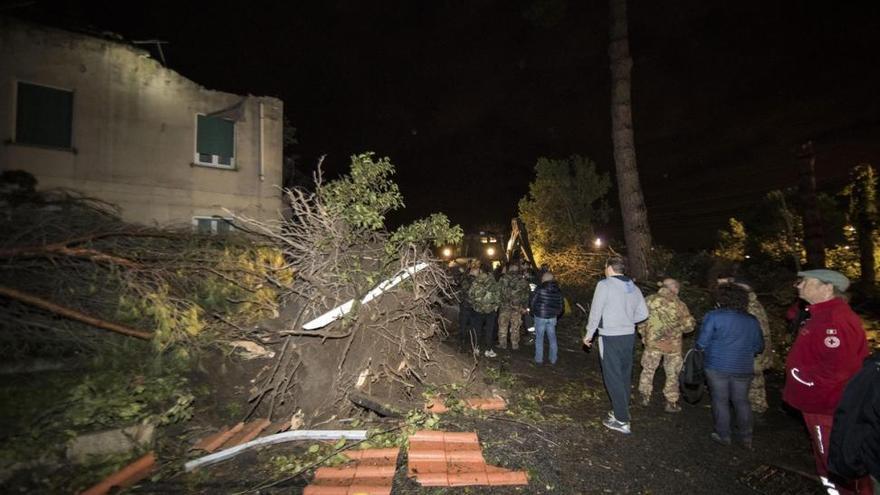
484, 294
764, 360
514, 291
668, 319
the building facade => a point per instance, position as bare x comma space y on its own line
103, 118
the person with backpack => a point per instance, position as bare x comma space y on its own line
730, 338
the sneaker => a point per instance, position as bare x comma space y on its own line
672, 407
611, 415
645, 400
616, 425
490, 353
719, 439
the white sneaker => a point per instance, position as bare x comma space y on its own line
490, 353
615, 425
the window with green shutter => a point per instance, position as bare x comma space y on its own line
43, 116
215, 141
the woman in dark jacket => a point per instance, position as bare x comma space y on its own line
545, 307
730, 338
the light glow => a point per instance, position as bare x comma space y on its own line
490, 251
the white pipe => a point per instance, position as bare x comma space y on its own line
287, 436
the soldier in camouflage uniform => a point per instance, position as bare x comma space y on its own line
763, 361
514, 300
484, 296
661, 333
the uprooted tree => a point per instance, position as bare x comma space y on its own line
336, 244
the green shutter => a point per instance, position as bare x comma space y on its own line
216, 136
44, 116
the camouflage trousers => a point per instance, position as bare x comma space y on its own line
757, 391
509, 319
671, 365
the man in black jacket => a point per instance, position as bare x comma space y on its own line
546, 306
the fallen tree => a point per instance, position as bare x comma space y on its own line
336, 243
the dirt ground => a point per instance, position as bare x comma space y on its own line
553, 431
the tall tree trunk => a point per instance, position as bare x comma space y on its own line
864, 197
636, 230
814, 235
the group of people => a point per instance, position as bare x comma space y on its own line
828, 351
490, 307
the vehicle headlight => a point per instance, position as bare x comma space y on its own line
447, 252
490, 251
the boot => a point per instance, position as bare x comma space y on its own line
672, 407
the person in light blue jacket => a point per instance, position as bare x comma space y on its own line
730, 338
618, 305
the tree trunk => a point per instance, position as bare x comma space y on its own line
865, 206
636, 230
814, 236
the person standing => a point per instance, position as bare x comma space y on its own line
828, 351
546, 305
514, 300
617, 306
484, 296
668, 319
730, 338
466, 332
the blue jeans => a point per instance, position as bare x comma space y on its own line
542, 326
727, 388
616, 354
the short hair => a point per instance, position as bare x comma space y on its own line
617, 263
732, 296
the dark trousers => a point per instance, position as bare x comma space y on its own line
466, 335
483, 325
616, 354
727, 389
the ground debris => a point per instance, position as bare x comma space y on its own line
776, 480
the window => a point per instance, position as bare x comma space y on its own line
215, 141
213, 225
44, 116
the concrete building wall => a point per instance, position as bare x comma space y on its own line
134, 130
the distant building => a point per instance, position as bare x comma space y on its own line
102, 117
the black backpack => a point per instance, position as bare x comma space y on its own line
692, 376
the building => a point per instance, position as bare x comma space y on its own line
101, 117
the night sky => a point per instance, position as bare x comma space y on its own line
464, 96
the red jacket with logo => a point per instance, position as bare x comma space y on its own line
828, 351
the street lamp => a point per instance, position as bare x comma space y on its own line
597, 243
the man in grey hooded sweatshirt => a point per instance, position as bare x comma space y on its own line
617, 306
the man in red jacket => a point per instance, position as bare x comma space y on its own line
828, 351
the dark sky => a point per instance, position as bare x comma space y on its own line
464, 96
